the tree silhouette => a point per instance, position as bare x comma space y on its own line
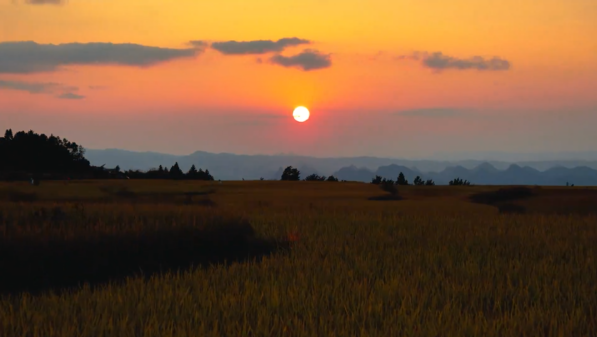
176, 172
332, 178
401, 179
418, 181
8, 135
389, 186
37, 153
193, 173
459, 182
291, 174
377, 180
429, 182
315, 177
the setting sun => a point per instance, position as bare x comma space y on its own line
301, 114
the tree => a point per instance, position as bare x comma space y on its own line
401, 179
315, 177
117, 169
8, 135
459, 182
176, 172
389, 186
332, 178
193, 173
32, 152
418, 181
206, 176
291, 174
429, 182
377, 180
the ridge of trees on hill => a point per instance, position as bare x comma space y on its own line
35, 153
28, 155
401, 180
293, 174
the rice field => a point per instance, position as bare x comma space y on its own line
174, 258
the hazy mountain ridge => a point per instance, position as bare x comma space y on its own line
484, 174
228, 166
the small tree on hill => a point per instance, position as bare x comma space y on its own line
418, 181
459, 182
291, 174
401, 180
315, 177
389, 186
429, 182
193, 173
377, 180
332, 178
176, 172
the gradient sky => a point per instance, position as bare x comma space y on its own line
400, 78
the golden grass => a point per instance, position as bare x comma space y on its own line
433, 264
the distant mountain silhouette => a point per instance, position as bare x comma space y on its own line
227, 166
484, 174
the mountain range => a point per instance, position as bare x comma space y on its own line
227, 166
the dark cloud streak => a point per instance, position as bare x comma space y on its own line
308, 60
439, 61
256, 47
70, 95
430, 112
29, 57
58, 89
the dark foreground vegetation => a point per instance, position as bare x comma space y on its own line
55, 248
132, 258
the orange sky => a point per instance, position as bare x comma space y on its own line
372, 96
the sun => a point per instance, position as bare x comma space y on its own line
300, 114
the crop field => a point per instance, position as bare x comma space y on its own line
265, 258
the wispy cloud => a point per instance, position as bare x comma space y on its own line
199, 45
431, 112
30, 57
42, 2
58, 89
439, 61
70, 95
255, 47
309, 59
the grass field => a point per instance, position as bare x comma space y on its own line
168, 258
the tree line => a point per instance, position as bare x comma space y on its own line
29, 155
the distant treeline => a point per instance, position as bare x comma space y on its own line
164, 173
28, 155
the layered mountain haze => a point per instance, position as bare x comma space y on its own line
226, 166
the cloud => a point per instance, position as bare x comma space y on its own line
29, 57
51, 88
30, 87
97, 87
70, 95
256, 47
439, 61
309, 59
431, 112
199, 45
44, 2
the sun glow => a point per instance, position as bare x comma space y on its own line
300, 114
